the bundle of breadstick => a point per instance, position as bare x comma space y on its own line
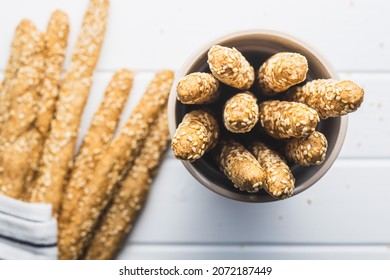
40, 114
289, 116
58, 150
100, 186
29, 93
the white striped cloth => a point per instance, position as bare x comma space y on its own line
27, 230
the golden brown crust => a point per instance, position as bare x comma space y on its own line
198, 88
330, 98
96, 140
279, 181
282, 71
22, 76
26, 44
17, 138
59, 147
20, 158
240, 166
55, 47
196, 134
241, 113
127, 203
283, 119
112, 166
56, 39
230, 67
307, 151
86, 52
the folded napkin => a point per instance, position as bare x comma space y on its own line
27, 230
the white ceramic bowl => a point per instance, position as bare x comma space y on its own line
256, 46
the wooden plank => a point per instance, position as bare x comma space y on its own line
154, 34
252, 251
347, 206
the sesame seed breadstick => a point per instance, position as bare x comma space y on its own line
127, 203
112, 167
230, 67
22, 76
198, 88
96, 140
20, 157
330, 98
240, 166
89, 42
307, 151
283, 119
23, 47
241, 113
20, 97
197, 133
26, 43
59, 147
56, 38
279, 181
281, 71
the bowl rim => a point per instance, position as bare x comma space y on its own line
172, 101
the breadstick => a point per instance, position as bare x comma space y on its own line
196, 134
20, 157
20, 100
283, 119
240, 166
59, 147
230, 67
307, 151
241, 113
21, 79
282, 71
25, 44
103, 126
127, 203
198, 88
56, 38
112, 167
55, 44
330, 98
279, 181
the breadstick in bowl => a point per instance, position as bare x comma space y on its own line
283, 119
282, 71
196, 134
310, 150
198, 88
241, 113
230, 67
330, 98
279, 181
128, 201
240, 166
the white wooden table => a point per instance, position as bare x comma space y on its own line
345, 215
